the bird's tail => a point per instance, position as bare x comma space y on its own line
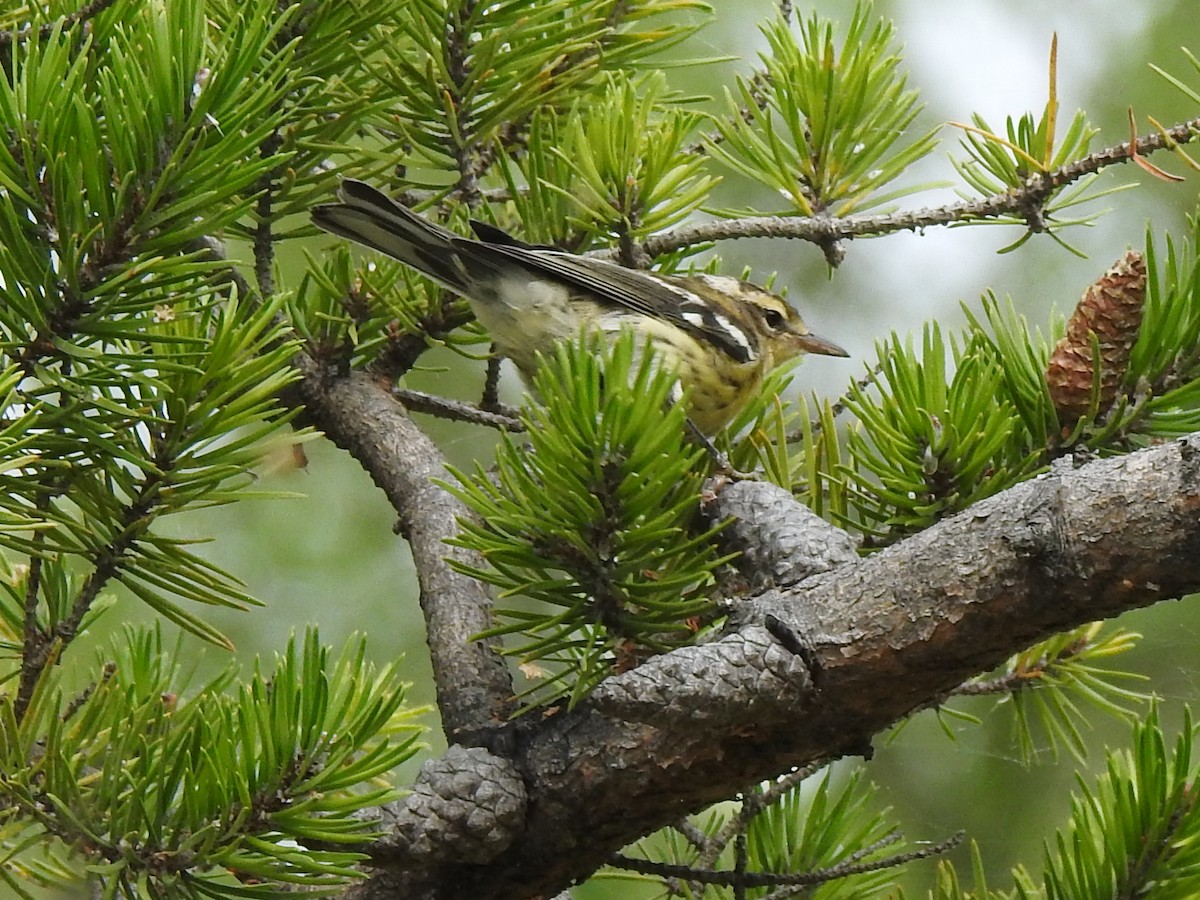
370, 217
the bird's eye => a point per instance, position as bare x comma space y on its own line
774, 319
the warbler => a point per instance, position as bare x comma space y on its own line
720, 335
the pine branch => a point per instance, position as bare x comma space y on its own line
1028, 202
36, 642
444, 408
491, 384
468, 154
264, 238
93, 9
289, 747
42, 647
887, 633
743, 879
753, 803
403, 350
359, 414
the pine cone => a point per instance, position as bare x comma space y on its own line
1111, 309
781, 541
465, 807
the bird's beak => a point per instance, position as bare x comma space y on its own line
811, 343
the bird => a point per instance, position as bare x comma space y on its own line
720, 335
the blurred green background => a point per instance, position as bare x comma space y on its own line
330, 557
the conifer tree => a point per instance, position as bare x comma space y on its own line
645, 663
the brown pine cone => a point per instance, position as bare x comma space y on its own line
1111, 309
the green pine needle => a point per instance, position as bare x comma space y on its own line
595, 520
827, 125
211, 784
1136, 830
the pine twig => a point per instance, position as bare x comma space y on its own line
899, 859
838, 406
844, 869
754, 803
757, 85
264, 237
491, 384
445, 408
76, 703
93, 9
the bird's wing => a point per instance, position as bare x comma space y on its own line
629, 288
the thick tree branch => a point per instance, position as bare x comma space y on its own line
888, 634
358, 413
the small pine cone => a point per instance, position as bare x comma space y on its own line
1111, 309
746, 676
780, 540
466, 807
